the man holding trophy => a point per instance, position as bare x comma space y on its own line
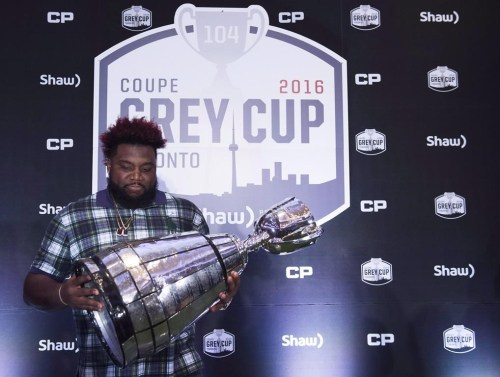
138, 267
131, 208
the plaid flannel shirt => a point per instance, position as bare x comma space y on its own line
88, 226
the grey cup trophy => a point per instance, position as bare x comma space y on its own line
153, 288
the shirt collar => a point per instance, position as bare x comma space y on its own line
103, 199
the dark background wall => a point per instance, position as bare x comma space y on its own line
330, 322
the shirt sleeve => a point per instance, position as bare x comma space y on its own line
53, 257
190, 216
199, 222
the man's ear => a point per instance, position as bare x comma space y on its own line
107, 163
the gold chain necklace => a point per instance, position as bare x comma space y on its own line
122, 230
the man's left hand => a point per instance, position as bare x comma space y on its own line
233, 283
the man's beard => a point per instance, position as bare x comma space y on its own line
121, 197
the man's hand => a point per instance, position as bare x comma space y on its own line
45, 293
72, 294
233, 283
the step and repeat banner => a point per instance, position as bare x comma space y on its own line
381, 117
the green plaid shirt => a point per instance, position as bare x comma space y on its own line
88, 226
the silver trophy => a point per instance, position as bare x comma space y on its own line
153, 288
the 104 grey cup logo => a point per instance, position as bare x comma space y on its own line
137, 18
365, 17
450, 206
219, 343
459, 339
370, 142
442, 79
376, 272
247, 110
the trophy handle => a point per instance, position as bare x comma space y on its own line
257, 10
190, 10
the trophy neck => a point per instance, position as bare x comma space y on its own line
255, 241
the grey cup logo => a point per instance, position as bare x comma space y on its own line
450, 206
218, 343
376, 272
442, 79
137, 18
370, 142
365, 17
459, 339
246, 120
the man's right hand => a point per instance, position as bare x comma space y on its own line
74, 295
45, 293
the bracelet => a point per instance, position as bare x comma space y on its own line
60, 298
226, 305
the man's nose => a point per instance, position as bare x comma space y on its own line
137, 175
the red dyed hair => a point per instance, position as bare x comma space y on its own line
131, 131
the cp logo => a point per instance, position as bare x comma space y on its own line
377, 340
298, 272
60, 17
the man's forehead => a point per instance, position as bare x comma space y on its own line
135, 150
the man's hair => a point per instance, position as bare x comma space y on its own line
131, 131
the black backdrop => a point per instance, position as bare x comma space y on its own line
330, 323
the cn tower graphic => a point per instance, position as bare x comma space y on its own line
233, 147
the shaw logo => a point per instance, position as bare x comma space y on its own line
234, 217
365, 17
299, 341
48, 345
459, 339
434, 141
218, 343
49, 209
431, 17
137, 18
442, 79
232, 138
450, 206
376, 272
370, 142
442, 270
49, 80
